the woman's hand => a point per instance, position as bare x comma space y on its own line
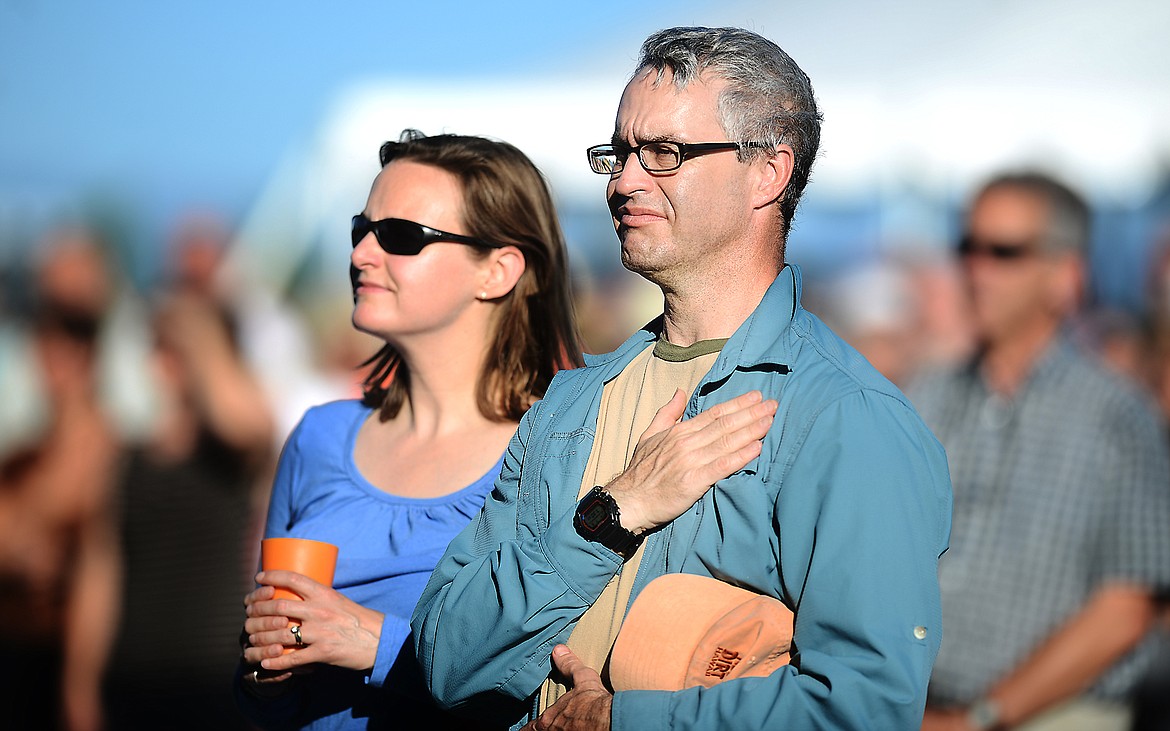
333, 629
257, 680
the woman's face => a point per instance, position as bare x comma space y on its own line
399, 297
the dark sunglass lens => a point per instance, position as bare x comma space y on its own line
1003, 252
1007, 252
397, 236
359, 227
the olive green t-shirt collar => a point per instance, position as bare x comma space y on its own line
680, 353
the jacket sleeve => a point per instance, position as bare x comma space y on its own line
506, 592
862, 516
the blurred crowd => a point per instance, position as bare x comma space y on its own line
138, 432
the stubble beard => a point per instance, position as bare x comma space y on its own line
644, 258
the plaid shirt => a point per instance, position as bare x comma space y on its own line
1059, 489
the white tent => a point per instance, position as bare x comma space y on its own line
931, 96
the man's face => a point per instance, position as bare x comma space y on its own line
675, 223
1013, 292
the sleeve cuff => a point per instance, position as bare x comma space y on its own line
395, 630
640, 709
585, 567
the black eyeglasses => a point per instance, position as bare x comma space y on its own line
1000, 251
406, 238
661, 156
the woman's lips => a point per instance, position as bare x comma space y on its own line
368, 288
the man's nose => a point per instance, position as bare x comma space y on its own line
633, 175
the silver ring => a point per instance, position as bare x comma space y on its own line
255, 676
296, 633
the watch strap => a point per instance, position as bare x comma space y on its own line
598, 519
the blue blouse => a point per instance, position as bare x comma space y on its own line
388, 546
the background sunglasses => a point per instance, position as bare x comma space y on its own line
1002, 251
406, 238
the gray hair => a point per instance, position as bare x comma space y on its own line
1068, 213
768, 98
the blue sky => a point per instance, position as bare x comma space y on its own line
198, 101
202, 99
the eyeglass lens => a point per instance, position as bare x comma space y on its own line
656, 157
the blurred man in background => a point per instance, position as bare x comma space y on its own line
186, 511
1062, 487
126, 494
186, 519
56, 484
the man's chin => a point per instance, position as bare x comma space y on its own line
636, 242
639, 263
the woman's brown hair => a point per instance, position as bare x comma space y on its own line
505, 201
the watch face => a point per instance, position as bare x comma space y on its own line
594, 514
597, 519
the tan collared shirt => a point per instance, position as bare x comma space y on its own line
628, 405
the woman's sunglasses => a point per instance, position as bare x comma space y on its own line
406, 238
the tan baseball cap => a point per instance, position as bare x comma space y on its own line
685, 630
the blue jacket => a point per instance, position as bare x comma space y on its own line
843, 517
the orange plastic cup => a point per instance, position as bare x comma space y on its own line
315, 559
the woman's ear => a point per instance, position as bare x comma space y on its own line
774, 173
502, 269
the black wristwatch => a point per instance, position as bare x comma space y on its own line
598, 519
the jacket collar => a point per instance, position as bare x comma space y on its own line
763, 339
